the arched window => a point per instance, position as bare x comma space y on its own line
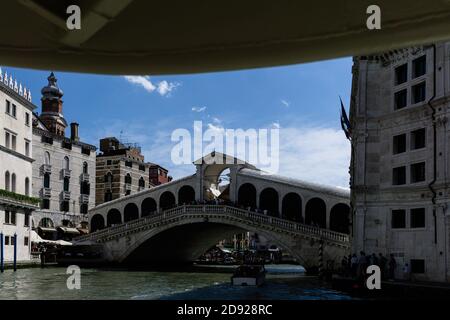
27, 186
141, 182
85, 167
128, 178
247, 196
166, 200
46, 223
316, 212
7, 182
66, 163
13, 182
108, 177
268, 200
47, 158
186, 195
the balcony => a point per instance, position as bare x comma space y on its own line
84, 177
65, 173
65, 195
46, 193
18, 200
46, 168
84, 198
127, 187
141, 188
108, 185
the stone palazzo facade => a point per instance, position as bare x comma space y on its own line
400, 167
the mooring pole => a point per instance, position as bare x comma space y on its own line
1, 252
321, 259
15, 252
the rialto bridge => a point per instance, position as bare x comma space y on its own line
178, 221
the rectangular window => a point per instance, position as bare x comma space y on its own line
47, 140
418, 172
400, 99
141, 167
417, 218
418, 139
27, 119
401, 74
45, 204
399, 176
14, 110
417, 266
398, 219
418, 93
27, 148
13, 142
419, 66
26, 221
399, 144
13, 217
128, 164
25, 241
8, 107
64, 206
6, 240
7, 217
86, 151
66, 145
108, 162
7, 139
13, 240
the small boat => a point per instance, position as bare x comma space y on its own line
249, 275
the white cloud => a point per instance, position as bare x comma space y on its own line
163, 87
198, 109
216, 120
285, 103
315, 154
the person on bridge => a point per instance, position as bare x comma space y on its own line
392, 267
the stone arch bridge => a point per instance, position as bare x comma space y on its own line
180, 220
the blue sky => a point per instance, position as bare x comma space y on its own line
303, 100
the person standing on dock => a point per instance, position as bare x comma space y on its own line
392, 267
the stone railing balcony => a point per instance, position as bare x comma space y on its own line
84, 198
127, 186
108, 185
18, 200
46, 193
84, 177
46, 168
141, 188
66, 173
65, 195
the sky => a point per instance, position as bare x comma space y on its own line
302, 101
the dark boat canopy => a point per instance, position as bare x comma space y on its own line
179, 36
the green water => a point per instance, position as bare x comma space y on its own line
283, 282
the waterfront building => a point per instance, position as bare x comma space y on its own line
400, 105
120, 170
16, 203
63, 170
158, 175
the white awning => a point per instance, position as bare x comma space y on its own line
69, 230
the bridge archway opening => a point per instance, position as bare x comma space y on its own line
167, 200
113, 217
316, 213
97, 222
247, 196
131, 212
340, 218
292, 207
183, 244
268, 200
148, 207
186, 195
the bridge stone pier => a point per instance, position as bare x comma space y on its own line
178, 221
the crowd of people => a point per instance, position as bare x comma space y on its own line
356, 266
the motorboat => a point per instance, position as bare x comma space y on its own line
249, 275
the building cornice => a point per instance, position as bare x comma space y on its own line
6, 89
49, 134
16, 154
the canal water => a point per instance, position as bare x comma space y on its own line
287, 282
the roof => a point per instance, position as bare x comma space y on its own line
335, 191
201, 36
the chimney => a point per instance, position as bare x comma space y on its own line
74, 131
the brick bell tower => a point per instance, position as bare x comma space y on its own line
52, 106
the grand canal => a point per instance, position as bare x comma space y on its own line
285, 282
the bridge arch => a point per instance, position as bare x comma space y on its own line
247, 195
113, 217
292, 207
186, 195
268, 200
148, 207
131, 212
316, 212
340, 218
167, 200
97, 222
